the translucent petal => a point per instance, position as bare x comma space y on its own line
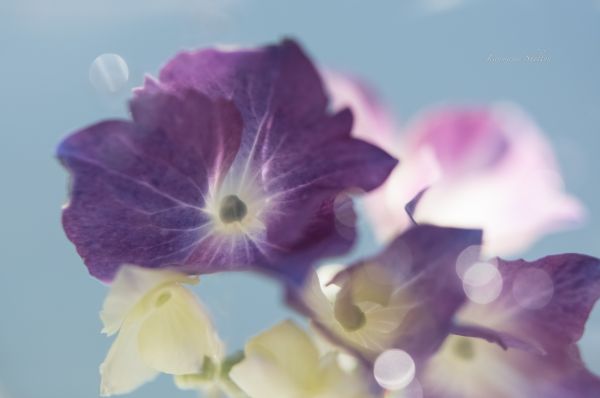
335, 382
130, 285
177, 334
288, 346
284, 362
314, 296
123, 370
259, 377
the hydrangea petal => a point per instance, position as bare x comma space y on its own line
283, 342
519, 160
177, 335
130, 285
504, 340
343, 382
137, 194
487, 167
270, 355
408, 294
162, 179
373, 122
123, 370
259, 378
162, 328
284, 362
283, 105
282, 101
548, 317
560, 318
472, 368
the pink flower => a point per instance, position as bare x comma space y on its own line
488, 167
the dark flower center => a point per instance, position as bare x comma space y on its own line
464, 349
351, 318
232, 209
348, 314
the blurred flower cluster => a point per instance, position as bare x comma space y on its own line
252, 160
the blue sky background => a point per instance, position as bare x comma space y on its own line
416, 53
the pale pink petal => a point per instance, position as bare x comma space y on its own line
372, 120
487, 167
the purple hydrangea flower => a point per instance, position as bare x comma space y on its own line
406, 297
539, 315
231, 161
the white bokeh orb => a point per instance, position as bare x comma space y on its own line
482, 282
109, 73
394, 369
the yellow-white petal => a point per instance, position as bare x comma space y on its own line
259, 377
315, 297
123, 369
130, 285
284, 362
177, 333
335, 382
282, 343
280, 362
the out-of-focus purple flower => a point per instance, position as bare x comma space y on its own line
231, 161
540, 315
405, 297
486, 167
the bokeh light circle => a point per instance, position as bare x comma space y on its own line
482, 282
109, 73
347, 362
394, 369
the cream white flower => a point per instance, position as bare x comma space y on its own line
285, 362
161, 328
367, 317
